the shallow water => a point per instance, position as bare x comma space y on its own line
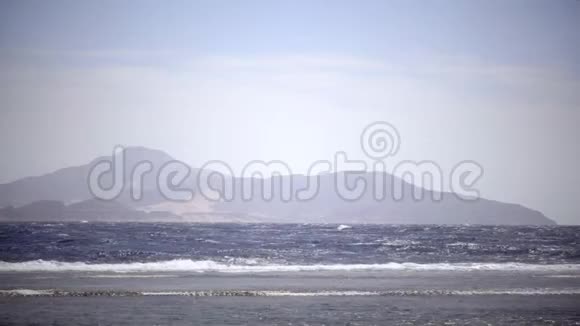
192, 274
496, 310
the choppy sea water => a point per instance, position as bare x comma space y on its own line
271, 246
100, 273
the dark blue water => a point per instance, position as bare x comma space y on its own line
287, 244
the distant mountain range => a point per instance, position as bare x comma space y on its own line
64, 196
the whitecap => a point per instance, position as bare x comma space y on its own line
258, 266
26, 292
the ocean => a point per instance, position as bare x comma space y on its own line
288, 274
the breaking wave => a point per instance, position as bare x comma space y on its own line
252, 266
274, 293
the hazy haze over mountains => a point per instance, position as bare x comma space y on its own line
64, 195
493, 81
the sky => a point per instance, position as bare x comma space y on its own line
496, 82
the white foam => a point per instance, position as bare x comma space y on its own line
26, 292
264, 293
278, 293
252, 266
399, 243
427, 292
131, 276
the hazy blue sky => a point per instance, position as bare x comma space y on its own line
497, 82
